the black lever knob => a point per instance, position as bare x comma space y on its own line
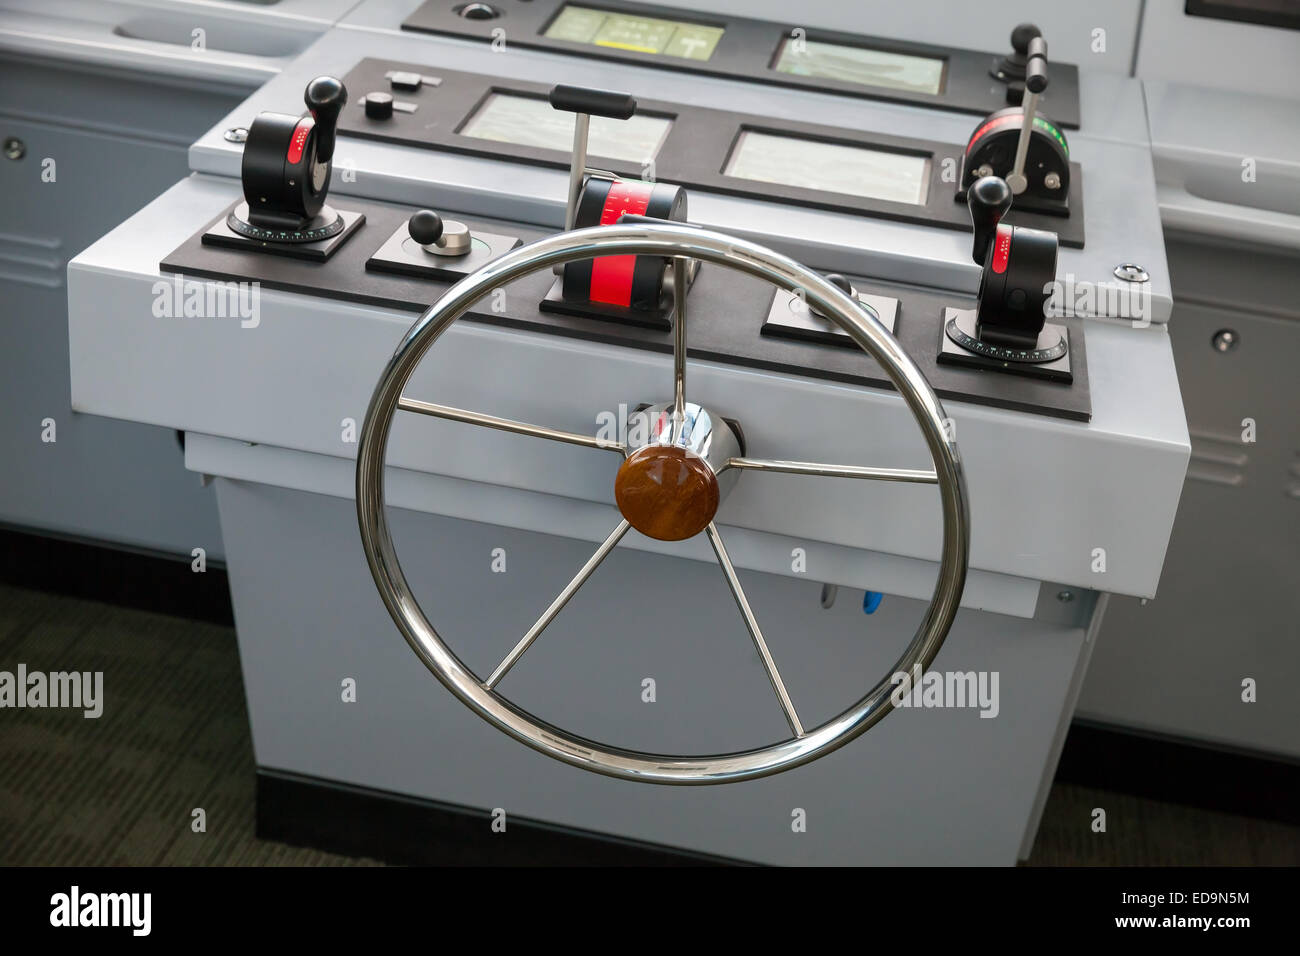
989, 200
1022, 35
325, 98
841, 283
593, 102
1012, 66
425, 227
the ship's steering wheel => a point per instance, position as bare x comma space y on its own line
669, 487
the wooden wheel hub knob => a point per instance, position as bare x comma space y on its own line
666, 492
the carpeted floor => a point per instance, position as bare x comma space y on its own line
122, 789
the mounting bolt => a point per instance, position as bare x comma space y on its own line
15, 148
236, 134
1131, 272
1065, 597
1052, 180
1225, 340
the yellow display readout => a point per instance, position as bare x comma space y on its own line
621, 31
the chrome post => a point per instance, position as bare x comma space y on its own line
577, 167
681, 284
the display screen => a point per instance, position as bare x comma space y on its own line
830, 167
1268, 13
622, 31
525, 121
861, 65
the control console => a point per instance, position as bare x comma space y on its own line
572, 391
630, 299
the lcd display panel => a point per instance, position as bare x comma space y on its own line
829, 167
861, 65
622, 31
526, 121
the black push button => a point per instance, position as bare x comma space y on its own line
404, 81
379, 106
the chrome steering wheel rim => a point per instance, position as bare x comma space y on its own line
671, 242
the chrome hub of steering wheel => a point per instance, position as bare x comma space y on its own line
675, 474
679, 460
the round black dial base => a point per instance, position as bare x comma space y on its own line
1043, 353
324, 225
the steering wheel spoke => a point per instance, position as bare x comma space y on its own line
681, 283
557, 605
755, 632
823, 470
507, 425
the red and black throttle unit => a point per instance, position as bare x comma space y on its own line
286, 171
631, 288
1007, 330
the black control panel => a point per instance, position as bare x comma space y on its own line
729, 311
396, 256
760, 51
768, 160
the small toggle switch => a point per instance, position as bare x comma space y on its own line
408, 81
404, 81
441, 237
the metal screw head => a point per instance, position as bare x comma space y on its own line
1052, 180
1065, 597
15, 148
236, 134
1225, 340
1131, 272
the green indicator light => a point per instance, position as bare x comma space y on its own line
1053, 132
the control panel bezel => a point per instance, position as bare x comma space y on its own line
748, 49
693, 154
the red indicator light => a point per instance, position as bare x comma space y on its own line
1002, 249
298, 141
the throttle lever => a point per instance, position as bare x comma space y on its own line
1035, 83
989, 201
584, 103
325, 98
